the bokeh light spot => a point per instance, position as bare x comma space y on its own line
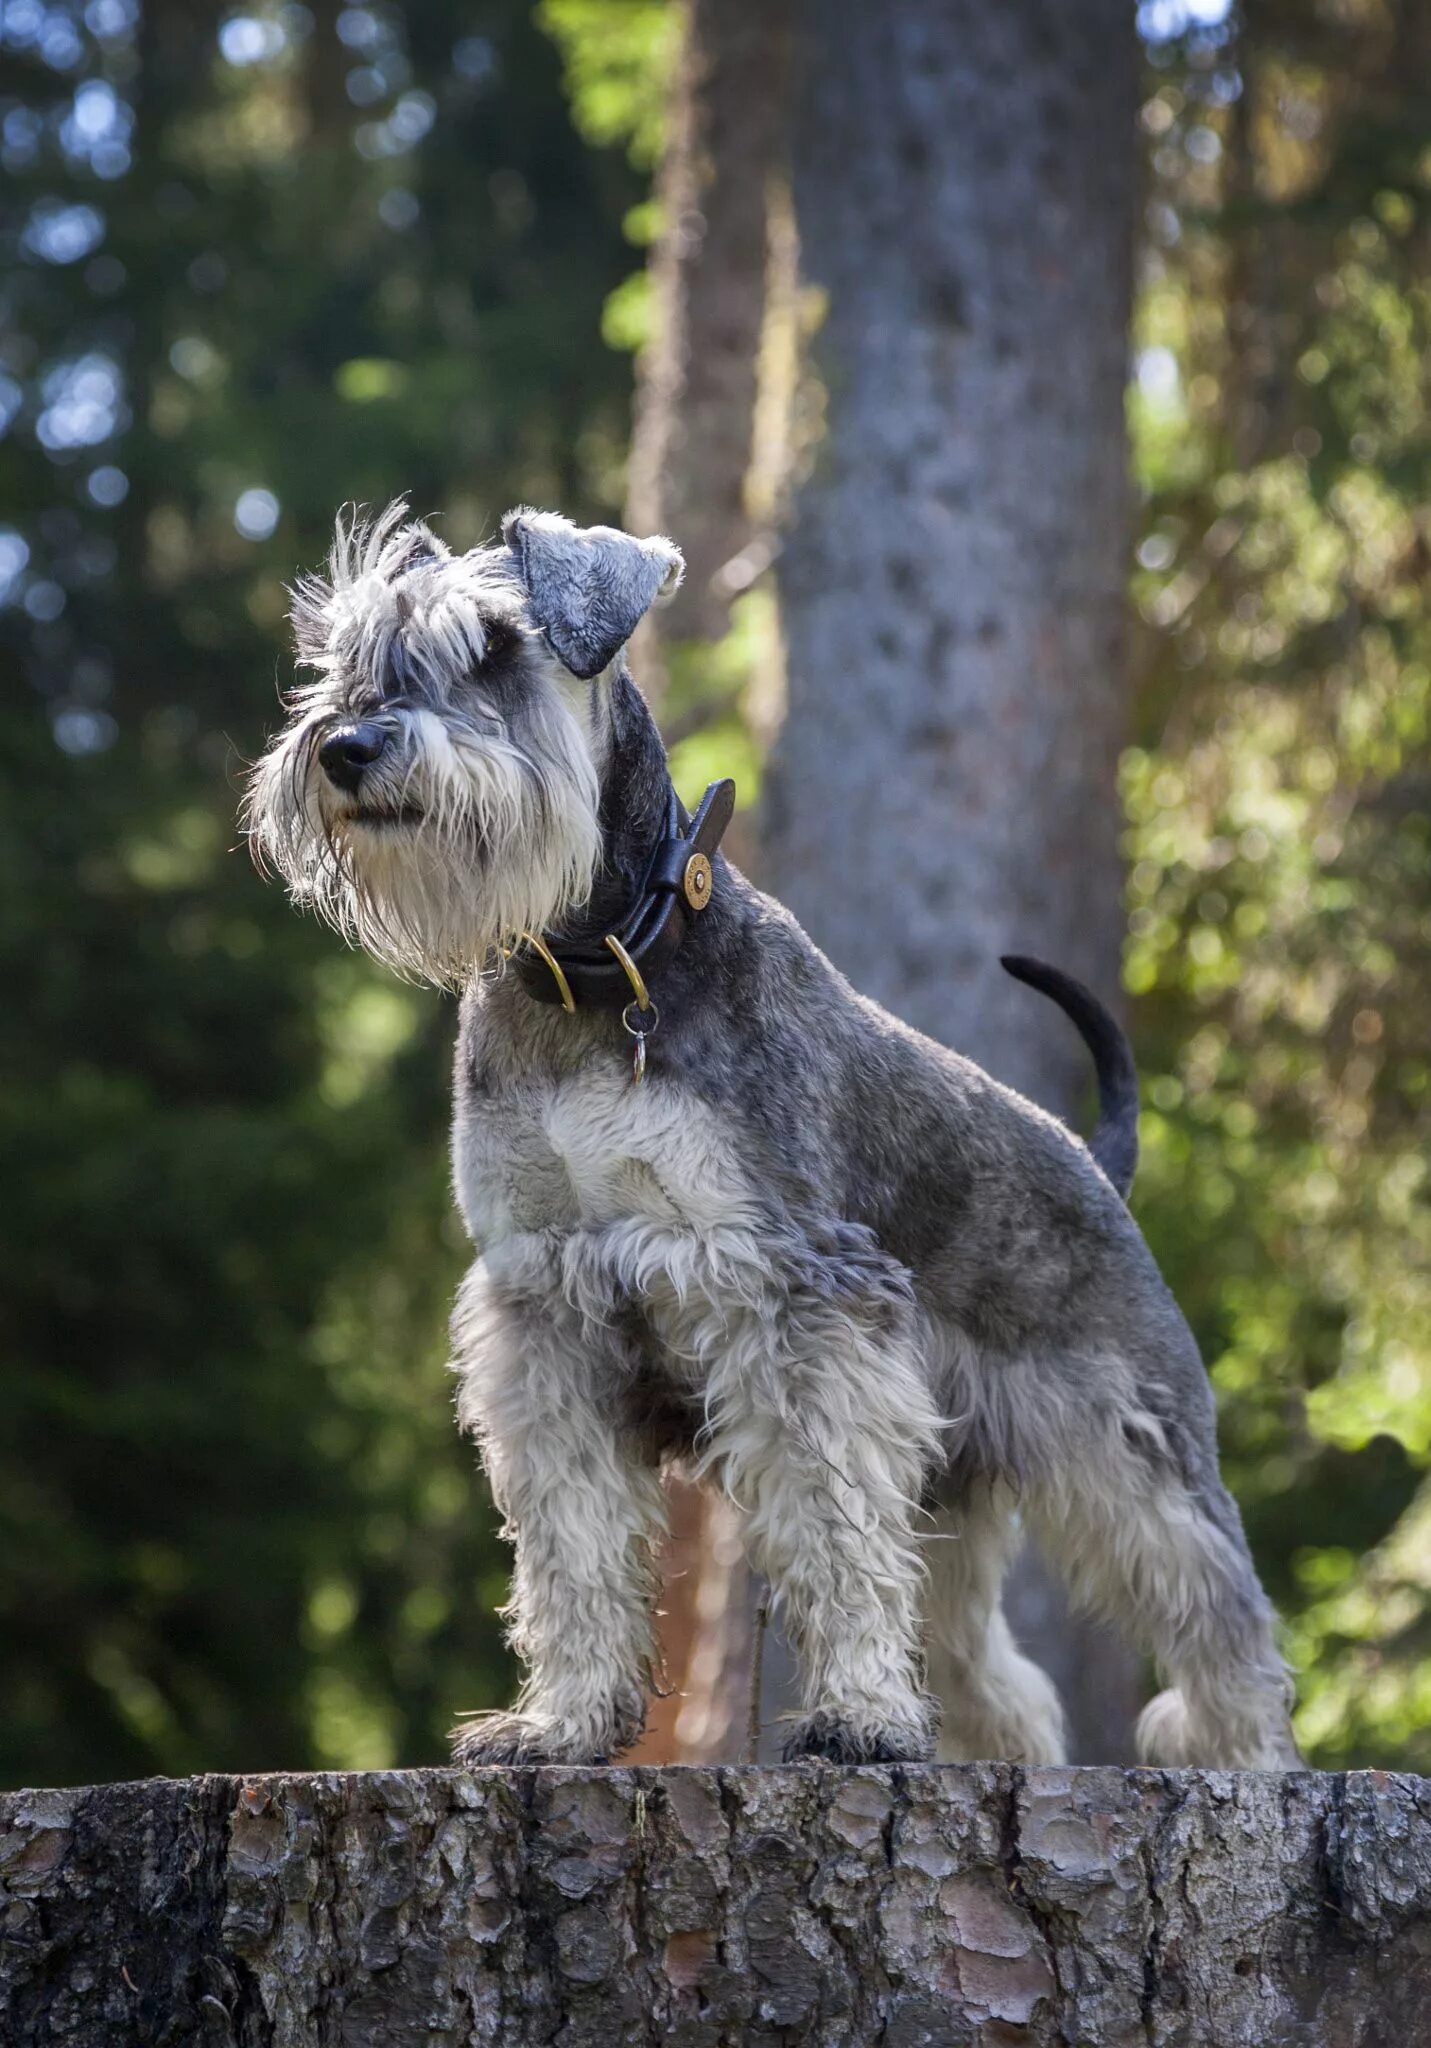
107, 485
256, 514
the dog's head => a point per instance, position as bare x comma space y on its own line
435, 789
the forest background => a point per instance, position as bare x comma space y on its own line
253, 264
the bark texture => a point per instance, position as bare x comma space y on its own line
706, 1618
912, 1908
699, 378
951, 590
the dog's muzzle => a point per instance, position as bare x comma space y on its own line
347, 754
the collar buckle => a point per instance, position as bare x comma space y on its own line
678, 885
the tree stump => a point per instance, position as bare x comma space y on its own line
906, 1907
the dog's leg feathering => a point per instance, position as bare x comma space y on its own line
582, 1513
1160, 1550
824, 1447
995, 1703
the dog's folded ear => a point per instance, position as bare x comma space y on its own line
589, 586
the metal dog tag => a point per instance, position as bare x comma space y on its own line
646, 1022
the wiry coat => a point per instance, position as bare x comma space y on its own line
879, 1298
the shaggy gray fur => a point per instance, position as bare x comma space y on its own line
888, 1305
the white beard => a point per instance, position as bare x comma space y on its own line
502, 845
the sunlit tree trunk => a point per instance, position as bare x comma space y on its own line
699, 378
951, 587
707, 1627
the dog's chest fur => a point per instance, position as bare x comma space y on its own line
624, 1211
580, 1148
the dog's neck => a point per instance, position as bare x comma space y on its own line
658, 884
634, 806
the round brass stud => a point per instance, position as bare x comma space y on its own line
697, 881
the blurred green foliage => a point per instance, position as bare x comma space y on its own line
257, 263
1279, 810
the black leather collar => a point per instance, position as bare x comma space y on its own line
588, 974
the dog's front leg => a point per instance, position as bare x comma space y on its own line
582, 1512
825, 1444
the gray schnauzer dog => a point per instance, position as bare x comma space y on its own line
728, 1211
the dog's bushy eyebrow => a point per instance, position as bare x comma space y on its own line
386, 546
382, 547
397, 609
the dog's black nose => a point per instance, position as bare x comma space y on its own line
347, 752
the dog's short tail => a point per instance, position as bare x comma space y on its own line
1114, 1143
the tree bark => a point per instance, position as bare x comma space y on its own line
702, 1713
699, 377
914, 1908
951, 591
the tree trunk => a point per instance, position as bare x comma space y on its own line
915, 1908
699, 377
703, 1711
951, 593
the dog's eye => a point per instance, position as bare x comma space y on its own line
500, 640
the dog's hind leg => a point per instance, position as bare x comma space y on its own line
583, 1512
1153, 1541
994, 1702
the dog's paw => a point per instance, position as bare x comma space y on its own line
534, 1738
1171, 1735
507, 1739
841, 1739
